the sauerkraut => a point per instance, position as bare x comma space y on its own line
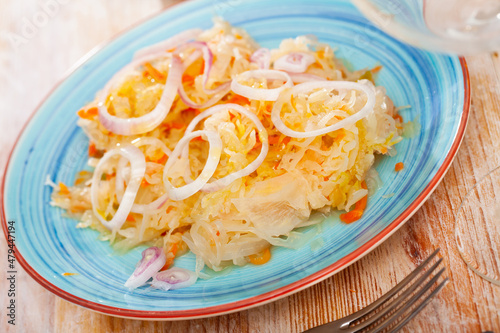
228, 224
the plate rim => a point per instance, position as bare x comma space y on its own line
254, 301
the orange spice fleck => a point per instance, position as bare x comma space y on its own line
359, 209
154, 73
63, 189
170, 256
399, 166
89, 113
376, 69
237, 99
351, 216
260, 258
163, 159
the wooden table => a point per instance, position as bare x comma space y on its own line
34, 57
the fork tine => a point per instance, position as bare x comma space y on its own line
391, 292
400, 298
421, 306
389, 320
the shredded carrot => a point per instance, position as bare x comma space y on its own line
186, 78
173, 125
376, 69
63, 189
78, 208
198, 138
170, 256
237, 99
169, 209
274, 139
260, 258
361, 204
69, 274
109, 176
144, 183
92, 150
399, 166
130, 218
359, 208
154, 73
163, 159
88, 114
78, 181
351, 216
196, 111
398, 117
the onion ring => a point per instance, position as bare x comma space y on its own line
226, 180
208, 57
308, 86
155, 204
149, 121
215, 150
257, 93
137, 170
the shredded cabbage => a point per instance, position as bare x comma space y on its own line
297, 178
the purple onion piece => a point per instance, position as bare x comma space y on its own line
173, 278
294, 62
262, 57
153, 259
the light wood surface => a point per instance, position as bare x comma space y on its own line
32, 65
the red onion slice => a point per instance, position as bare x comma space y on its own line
262, 132
153, 259
137, 170
201, 48
168, 44
261, 57
214, 152
337, 85
257, 93
294, 62
173, 278
149, 121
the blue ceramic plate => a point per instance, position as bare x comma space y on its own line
47, 244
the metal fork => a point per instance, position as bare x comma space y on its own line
379, 316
